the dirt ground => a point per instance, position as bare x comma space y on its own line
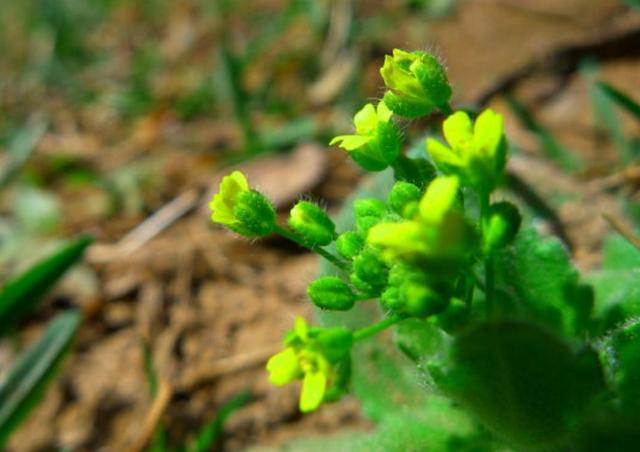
213, 306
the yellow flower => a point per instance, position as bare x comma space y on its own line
224, 202
303, 358
438, 231
476, 152
242, 209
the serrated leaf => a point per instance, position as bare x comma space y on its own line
540, 277
28, 377
616, 284
21, 294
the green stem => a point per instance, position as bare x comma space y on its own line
316, 249
374, 329
489, 269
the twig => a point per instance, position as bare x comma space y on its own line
624, 230
148, 229
227, 366
158, 407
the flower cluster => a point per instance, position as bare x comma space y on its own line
414, 250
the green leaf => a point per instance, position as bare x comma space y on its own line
208, 434
522, 382
538, 274
27, 379
616, 284
21, 294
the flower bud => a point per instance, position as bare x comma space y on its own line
369, 272
368, 213
377, 142
403, 194
312, 223
242, 209
255, 213
349, 244
332, 293
501, 226
417, 83
369, 207
413, 299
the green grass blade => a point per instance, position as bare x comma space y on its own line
605, 114
159, 440
546, 140
621, 99
211, 431
21, 294
26, 381
21, 147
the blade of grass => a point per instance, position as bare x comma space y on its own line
211, 431
21, 294
606, 118
159, 439
27, 379
546, 140
621, 99
21, 147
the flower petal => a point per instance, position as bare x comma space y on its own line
439, 198
458, 129
223, 202
350, 142
488, 131
283, 367
314, 386
366, 120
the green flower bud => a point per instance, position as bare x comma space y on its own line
377, 142
417, 171
312, 223
368, 213
332, 293
369, 272
255, 213
242, 209
418, 300
411, 294
501, 226
477, 152
417, 82
349, 244
402, 194
369, 207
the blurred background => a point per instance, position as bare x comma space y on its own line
118, 118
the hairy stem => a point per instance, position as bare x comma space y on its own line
376, 328
335, 260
